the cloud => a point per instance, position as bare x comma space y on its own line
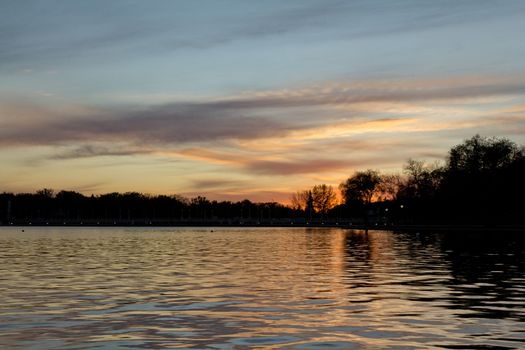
208, 184
92, 187
339, 155
245, 22
51, 33
87, 151
165, 124
260, 162
388, 91
296, 167
68, 31
319, 112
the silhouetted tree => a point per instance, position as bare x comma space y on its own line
423, 180
323, 198
479, 182
479, 154
70, 204
199, 207
46, 192
390, 187
359, 190
304, 201
361, 187
319, 199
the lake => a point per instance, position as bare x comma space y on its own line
236, 288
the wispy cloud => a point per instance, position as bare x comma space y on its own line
209, 184
249, 116
305, 166
317, 133
71, 30
87, 151
165, 124
382, 91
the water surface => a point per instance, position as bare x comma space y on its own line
235, 288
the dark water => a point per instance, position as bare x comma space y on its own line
137, 288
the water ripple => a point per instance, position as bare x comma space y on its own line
110, 288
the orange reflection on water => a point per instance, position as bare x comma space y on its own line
237, 288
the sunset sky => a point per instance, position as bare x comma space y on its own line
248, 99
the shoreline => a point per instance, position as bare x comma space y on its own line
280, 224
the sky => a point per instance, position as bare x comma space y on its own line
248, 99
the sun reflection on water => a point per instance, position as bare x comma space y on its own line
258, 288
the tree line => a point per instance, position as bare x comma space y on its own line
48, 206
480, 182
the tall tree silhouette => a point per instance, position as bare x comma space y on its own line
359, 190
477, 182
323, 198
361, 187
